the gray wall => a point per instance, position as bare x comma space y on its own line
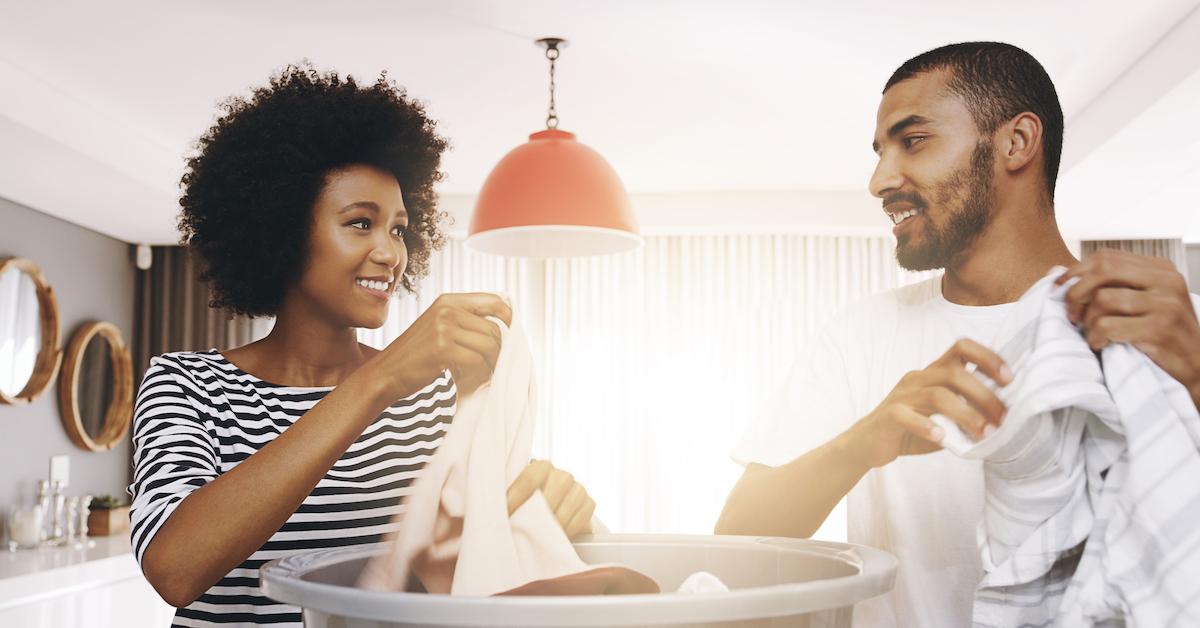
93, 277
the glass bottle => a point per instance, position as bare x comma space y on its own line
43, 505
70, 518
58, 513
81, 527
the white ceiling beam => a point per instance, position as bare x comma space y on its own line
58, 180
65, 158
1169, 62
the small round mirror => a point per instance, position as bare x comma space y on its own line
29, 355
96, 389
95, 385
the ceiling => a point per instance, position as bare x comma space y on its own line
695, 103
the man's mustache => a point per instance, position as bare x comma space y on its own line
911, 198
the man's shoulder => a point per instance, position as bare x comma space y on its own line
879, 314
913, 295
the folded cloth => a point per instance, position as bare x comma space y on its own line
1094, 463
457, 536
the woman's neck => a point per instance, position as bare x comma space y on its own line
303, 351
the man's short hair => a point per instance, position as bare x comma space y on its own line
997, 82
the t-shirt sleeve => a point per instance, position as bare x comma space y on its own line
173, 452
809, 408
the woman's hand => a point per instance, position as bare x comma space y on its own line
568, 500
453, 334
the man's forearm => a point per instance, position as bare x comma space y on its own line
793, 499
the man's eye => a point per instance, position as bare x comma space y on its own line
363, 223
912, 140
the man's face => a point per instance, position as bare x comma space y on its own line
934, 173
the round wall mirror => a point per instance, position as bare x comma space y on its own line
95, 392
29, 353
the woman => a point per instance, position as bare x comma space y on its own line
312, 201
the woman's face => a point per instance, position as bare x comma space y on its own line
356, 253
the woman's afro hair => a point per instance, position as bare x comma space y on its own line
249, 190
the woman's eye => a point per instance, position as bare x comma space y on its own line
361, 223
398, 230
912, 139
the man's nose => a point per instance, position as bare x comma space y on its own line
886, 178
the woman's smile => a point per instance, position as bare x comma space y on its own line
380, 288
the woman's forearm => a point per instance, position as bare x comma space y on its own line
221, 524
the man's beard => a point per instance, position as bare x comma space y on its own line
969, 188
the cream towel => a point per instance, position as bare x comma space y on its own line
457, 536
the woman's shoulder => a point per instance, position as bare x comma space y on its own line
190, 361
177, 381
197, 367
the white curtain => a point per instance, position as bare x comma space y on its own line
651, 363
1171, 249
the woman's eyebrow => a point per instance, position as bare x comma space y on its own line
368, 205
373, 207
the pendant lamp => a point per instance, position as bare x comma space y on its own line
553, 197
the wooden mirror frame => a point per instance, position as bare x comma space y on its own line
119, 414
49, 356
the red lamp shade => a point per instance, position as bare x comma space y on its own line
553, 197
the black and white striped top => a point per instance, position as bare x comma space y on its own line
198, 416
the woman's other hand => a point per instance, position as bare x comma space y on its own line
568, 500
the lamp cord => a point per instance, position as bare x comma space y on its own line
552, 114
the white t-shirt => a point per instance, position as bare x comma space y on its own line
923, 509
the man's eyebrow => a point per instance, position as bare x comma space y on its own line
899, 127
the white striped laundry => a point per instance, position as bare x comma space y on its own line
1091, 494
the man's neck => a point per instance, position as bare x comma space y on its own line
1007, 258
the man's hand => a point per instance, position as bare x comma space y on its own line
900, 425
1143, 301
568, 500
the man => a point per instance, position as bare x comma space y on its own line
969, 138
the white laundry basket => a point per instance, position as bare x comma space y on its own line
772, 581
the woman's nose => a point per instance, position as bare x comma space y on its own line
387, 251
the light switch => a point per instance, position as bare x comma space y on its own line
60, 469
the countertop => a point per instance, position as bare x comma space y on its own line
28, 576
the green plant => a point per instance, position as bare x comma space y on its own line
106, 502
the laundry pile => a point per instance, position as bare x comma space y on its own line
457, 536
